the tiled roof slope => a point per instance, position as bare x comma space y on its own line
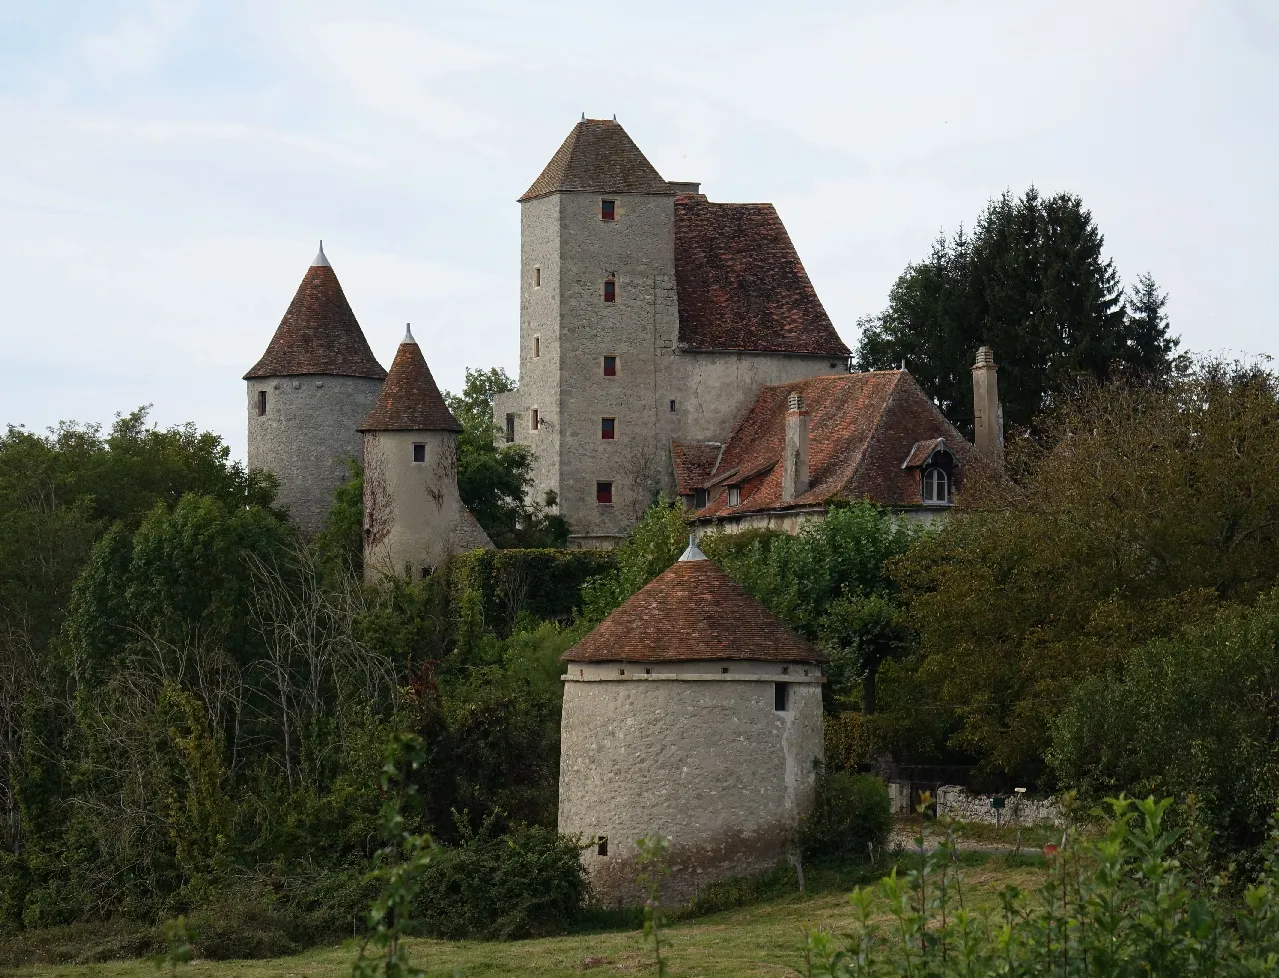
863, 428
409, 400
598, 155
694, 461
740, 284
319, 334
692, 611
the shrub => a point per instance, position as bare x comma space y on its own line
526, 883
542, 584
852, 813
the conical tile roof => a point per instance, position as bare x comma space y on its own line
410, 400
598, 155
693, 611
319, 333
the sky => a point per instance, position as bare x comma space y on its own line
168, 166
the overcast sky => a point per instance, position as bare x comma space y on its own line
166, 168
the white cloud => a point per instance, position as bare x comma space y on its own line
137, 43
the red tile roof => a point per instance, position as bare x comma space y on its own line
863, 428
691, 611
694, 461
409, 400
319, 334
598, 155
740, 284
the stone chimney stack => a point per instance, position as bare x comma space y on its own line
795, 459
988, 416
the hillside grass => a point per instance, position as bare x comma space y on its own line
764, 939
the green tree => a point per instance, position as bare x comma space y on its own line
1033, 283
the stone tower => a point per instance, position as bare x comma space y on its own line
308, 394
598, 321
413, 515
693, 713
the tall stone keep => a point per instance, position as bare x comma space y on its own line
308, 394
414, 517
988, 415
693, 713
598, 321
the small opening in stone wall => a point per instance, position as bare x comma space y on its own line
535, 420
610, 290
510, 428
785, 670
603, 492
781, 697
537, 347
672, 405
608, 428
621, 672
610, 366
723, 669
601, 847
648, 672
261, 403
424, 572
537, 277
608, 210
419, 452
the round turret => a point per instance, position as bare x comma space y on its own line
692, 713
308, 394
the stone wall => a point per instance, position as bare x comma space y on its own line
306, 437
963, 806
690, 753
413, 515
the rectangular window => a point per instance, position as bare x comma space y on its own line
672, 405
261, 404
610, 366
537, 347
510, 428
608, 428
700, 499
424, 572
781, 697
610, 290
604, 492
419, 452
601, 847
534, 421
734, 496
537, 277
608, 210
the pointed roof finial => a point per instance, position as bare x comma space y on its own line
614, 116
693, 552
408, 335
583, 116
321, 259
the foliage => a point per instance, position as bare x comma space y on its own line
1144, 507
652, 860
542, 585
339, 546
1194, 714
528, 882
1031, 282
1130, 903
651, 546
851, 818
494, 480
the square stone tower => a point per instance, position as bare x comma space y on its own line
598, 327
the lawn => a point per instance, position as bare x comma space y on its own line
763, 940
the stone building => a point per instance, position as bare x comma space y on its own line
691, 712
648, 314
308, 394
413, 515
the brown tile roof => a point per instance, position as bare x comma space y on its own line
863, 427
319, 333
740, 284
598, 155
691, 611
694, 461
409, 400
922, 451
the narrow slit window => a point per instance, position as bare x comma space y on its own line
419, 452
610, 290
261, 404
672, 405
608, 210
610, 366
535, 420
537, 277
601, 847
537, 347
781, 697
608, 428
510, 428
604, 492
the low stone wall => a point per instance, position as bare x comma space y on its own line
963, 806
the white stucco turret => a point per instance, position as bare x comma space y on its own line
414, 517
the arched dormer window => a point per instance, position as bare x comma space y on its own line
936, 488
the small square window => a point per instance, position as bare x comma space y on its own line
734, 496
537, 347
608, 428
604, 492
601, 846
781, 697
261, 403
534, 421
424, 572
723, 670
608, 210
648, 672
537, 277
610, 290
672, 405
610, 366
510, 428
419, 452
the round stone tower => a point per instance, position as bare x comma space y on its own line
413, 515
308, 394
691, 712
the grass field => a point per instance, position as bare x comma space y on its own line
762, 940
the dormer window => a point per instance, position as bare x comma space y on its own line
936, 488
608, 210
700, 499
734, 495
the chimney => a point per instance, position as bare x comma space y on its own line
988, 417
795, 459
